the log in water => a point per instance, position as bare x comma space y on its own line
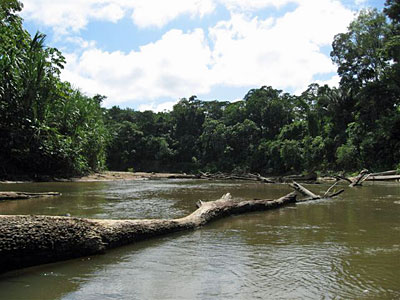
32, 240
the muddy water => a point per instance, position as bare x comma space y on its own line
344, 248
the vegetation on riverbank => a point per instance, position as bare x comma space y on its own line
48, 127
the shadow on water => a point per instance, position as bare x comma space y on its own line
58, 280
344, 248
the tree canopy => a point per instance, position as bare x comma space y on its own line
49, 127
46, 126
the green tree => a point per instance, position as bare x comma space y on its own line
187, 118
358, 52
269, 109
46, 127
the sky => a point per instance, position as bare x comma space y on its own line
148, 54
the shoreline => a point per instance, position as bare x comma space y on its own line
120, 175
107, 176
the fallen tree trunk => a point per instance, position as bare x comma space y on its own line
341, 177
360, 178
33, 240
311, 196
304, 178
23, 195
355, 181
391, 172
383, 178
228, 176
366, 176
302, 190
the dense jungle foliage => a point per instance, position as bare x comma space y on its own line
47, 127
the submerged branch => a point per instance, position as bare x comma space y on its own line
24, 195
311, 196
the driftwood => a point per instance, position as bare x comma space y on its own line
311, 196
385, 173
23, 195
360, 178
229, 176
309, 177
341, 177
383, 178
32, 240
366, 176
355, 181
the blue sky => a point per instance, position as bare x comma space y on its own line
147, 54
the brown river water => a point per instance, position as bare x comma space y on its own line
343, 248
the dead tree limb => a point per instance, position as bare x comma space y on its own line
23, 195
385, 173
229, 176
341, 177
264, 179
302, 190
312, 177
311, 196
358, 180
331, 187
32, 240
383, 178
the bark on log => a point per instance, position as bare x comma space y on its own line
356, 181
360, 178
264, 179
302, 190
23, 195
33, 240
308, 177
383, 178
305, 192
229, 176
341, 177
385, 173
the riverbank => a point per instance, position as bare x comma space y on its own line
117, 176
105, 176
127, 176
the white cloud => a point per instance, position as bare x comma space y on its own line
175, 65
158, 13
284, 52
164, 106
110, 12
245, 51
247, 5
80, 42
73, 15
332, 82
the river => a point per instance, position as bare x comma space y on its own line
343, 248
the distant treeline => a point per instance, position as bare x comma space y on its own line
48, 127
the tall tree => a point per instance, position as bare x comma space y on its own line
358, 52
45, 125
